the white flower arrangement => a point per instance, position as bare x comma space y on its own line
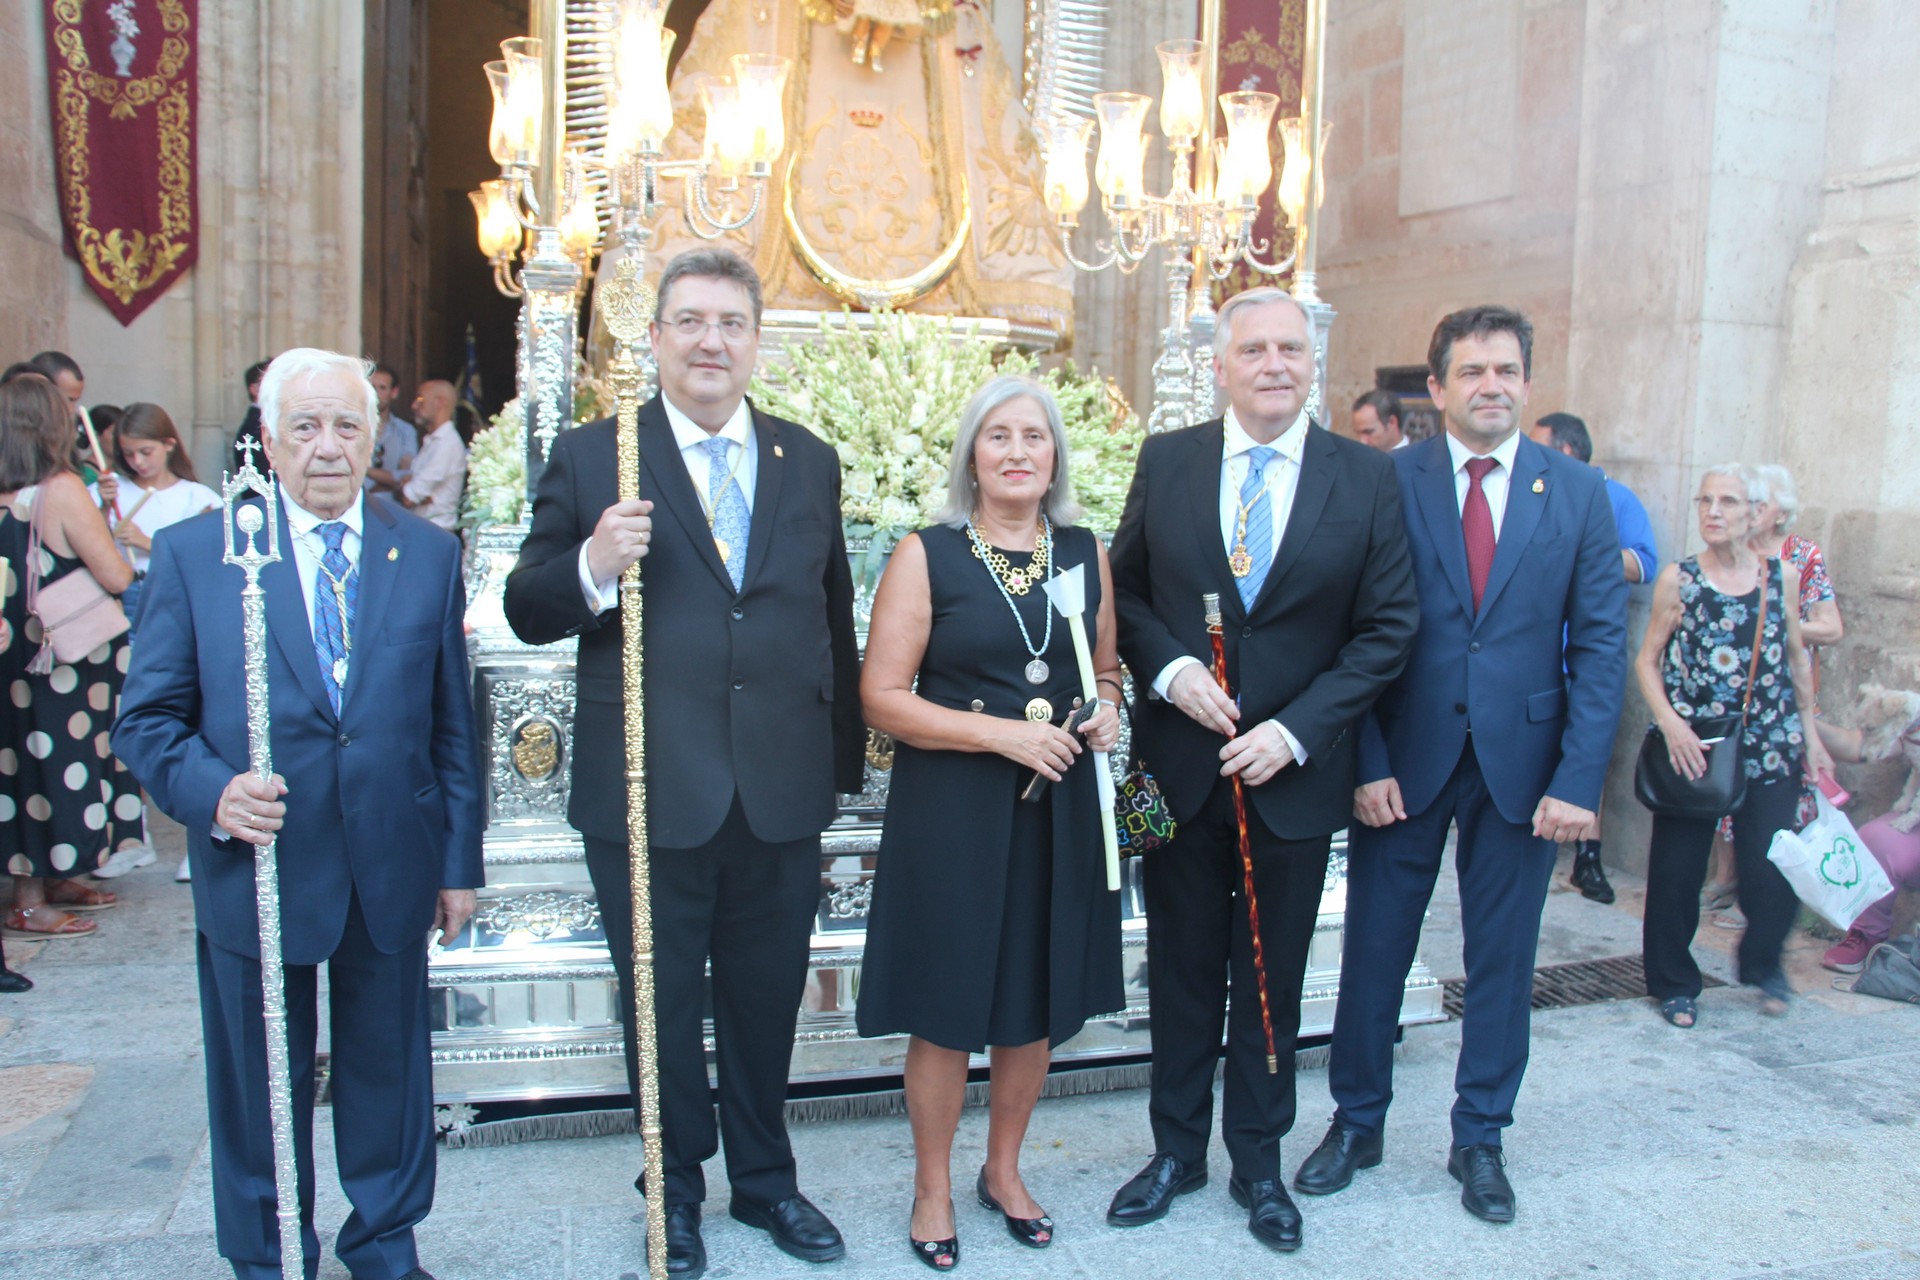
889, 399
497, 471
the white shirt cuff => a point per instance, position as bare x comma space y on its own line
1164, 681
1293, 743
600, 596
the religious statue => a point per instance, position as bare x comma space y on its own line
873, 23
918, 189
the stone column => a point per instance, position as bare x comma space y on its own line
33, 299
1701, 139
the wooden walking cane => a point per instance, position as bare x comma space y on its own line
623, 302
1215, 633
266, 869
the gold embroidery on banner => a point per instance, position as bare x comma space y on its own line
123, 97
126, 262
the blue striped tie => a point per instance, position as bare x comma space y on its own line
1259, 523
329, 628
729, 507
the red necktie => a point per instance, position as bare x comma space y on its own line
1476, 523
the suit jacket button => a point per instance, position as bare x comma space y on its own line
1460, 708
345, 740
978, 705
1474, 647
1245, 632
738, 613
741, 684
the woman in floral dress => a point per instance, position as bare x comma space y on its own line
1776, 506
1709, 612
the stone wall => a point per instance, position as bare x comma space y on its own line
33, 295
1452, 179
279, 167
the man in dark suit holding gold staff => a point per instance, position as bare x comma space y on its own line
752, 713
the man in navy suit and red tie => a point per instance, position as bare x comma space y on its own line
1486, 731
377, 808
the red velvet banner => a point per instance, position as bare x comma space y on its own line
121, 75
1262, 46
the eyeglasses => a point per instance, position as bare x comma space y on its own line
732, 328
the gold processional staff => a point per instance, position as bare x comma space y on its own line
624, 302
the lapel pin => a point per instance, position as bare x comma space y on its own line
778, 452
1539, 486
393, 553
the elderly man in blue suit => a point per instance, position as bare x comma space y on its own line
1485, 730
377, 807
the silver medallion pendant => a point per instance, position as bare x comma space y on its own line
340, 671
1037, 672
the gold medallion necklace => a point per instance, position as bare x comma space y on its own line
720, 543
1240, 562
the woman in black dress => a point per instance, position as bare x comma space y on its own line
991, 923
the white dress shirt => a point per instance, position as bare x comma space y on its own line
154, 509
1283, 478
692, 439
439, 473
1496, 481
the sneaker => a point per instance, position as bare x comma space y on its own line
1849, 955
121, 861
184, 872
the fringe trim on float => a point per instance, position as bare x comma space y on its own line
859, 1106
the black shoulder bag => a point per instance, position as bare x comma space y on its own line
1722, 788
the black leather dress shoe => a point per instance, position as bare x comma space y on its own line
1330, 1167
1484, 1190
418, 1273
796, 1226
1148, 1195
1272, 1216
686, 1251
1333, 1161
1589, 877
12, 983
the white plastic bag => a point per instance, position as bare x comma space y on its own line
1830, 867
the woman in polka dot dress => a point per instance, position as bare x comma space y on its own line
65, 802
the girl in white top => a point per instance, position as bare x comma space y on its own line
167, 492
163, 492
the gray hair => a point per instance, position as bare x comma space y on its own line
710, 264
306, 362
1775, 484
1223, 325
1738, 472
963, 488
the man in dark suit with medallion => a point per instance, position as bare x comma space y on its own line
377, 807
1489, 730
752, 718
1299, 532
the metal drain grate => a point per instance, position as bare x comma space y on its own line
1562, 986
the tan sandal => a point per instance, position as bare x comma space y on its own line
80, 897
65, 924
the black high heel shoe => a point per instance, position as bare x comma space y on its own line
941, 1255
1035, 1233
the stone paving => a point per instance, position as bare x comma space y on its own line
1748, 1147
